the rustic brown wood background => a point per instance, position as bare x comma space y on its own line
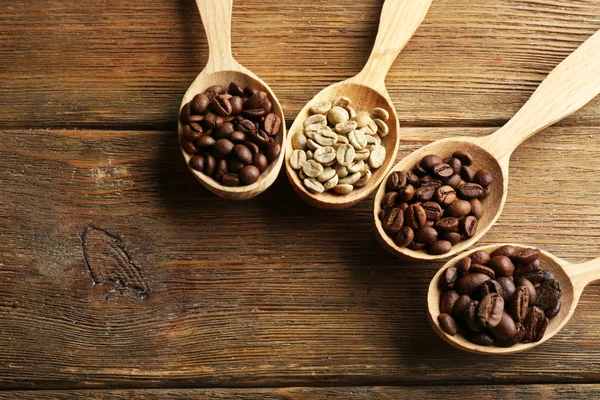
269, 298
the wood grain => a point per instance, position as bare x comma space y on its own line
522, 392
268, 292
66, 64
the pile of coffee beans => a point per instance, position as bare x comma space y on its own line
338, 146
231, 133
437, 204
498, 299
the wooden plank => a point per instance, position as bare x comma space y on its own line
127, 64
522, 392
118, 269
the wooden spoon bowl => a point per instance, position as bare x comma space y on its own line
399, 21
573, 278
222, 69
571, 85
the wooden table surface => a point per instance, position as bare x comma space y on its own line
121, 277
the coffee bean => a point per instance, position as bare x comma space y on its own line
448, 300
272, 151
535, 324
415, 216
224, 131
416, 246
234, 165
447, 324
469, 284
236, 89
508, 287
553, 312
526, 256
419, 170
484, 177
406, 193
519, 303
490, 310
254, 114
213, 91
231, 179
490, 286
192, 132
425, 193
470, 190
471, 316
445, 195
243, 154
448, 224
460, 208
443, 170
507, 251
213, 121
237, 137
530, 288
506, 329
404, 237
188, 146
468, 173
426, 235
221, 106
476, 208
454, 181
272, 124
433, 210
452, 237
396, 180
517, 338
429, 161
260, 161
502, 265
246, 126
482, 269
389, 199
469, 226
249, 174
200, 103
458, 311
480, 338
463, 266
251, 89
429, 180
184, 114
403, 206
411, 178
464, 157
480, 257
257, 100
448, 279
548, 294
222, 169
197, 163
532, 272
222, 148
393, 221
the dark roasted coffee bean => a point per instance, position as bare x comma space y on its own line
502, 265
272, 124
251, 89
480, 257
548, 294
396, 180
272, 151
448, 279
213, 121
213, 91
470, 191
443, 170
445, 195
246, 126
490, 286
205, 141
460, 208
196, 118
469, 284
467, 173
484, 177
404, 237
429, 161
210, 164
406, 193
415, 216
254, 114
425, 193
519, 303
530, 288
458, 311
184, 114
231, 179
468, 225
454, 163
440, 247
526, 256
463, 266
433, 210
393, 221
411, 178
454, 181
198, 163
221, 106
447, 324
471, 316
448, 224
224, 130
260, 161
416, 246
188, 146
267, 106
505, 329
476, 208
237, 137
249, 174
553, 312
517, 338
242, 153
234, 165
235, 89
490, 310
253, 147
506, 250
464, 157
222, 148
532, 272
452, 237
237, 105
200, 103
255, 101
425, 235
389, 199
430, 180
419, 170
480, 338
403, 206
535, 324
508, 287
222, 169
482, 269
192, 132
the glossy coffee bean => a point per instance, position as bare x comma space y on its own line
396, 180
463, 266
464, 157
519, 303
416, 246
480, 257
389, 199
260, 161
490, 310
460, 208
213, 91
458, 311
411, 178
469, 284
452, 237
548, 294
553, 312
505, 329
454, 181
526, 256
242, 153
272, 124
197, 163
507, 251
184, 114
517, 338
419, 170
443, 170
189, 146
502, 265
468, 173
415, 216
249, 174
429, 161
508, 287
484, 177
471, 316
440, 247
448, 279
430, 180
535, 324
231, 179
448, 300
425, 234
454, 163
476, 208
234, 165
482, 269
251, 89
222, 169
447, 324
404, 237
272, 151
470, 191
406, 193
393, 221
222, 148
480, 338
235, 89
530, 288
468, 226
221, 106
237, 137
200, 103
205, 142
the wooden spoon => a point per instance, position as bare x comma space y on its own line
573, 278
572, 84
399, 21
222, 69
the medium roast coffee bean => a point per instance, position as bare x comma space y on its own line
460, 208
519, 303
415, 216
505, 329
471, 316
406, 193
249, 174
447, 324
458, 311
416, 245
448, 279
197, 163
433, 210
260, 161
468, 226
445, 195
535, 324
482, 269
231, 179
404, 237
448, 300
425, 193
490, 310
443, 170
526, 256
393, 221
530, 288
507, 251
532, 272
454, 181
454, 163
411, 178
200, 103
470, 191
468, 173
449, 224
396, 180
463, 266
464, 157
484, 177
508, 287
242, 153
480, 257
502, 265
490, 286
452, 237
470, 283
429, 161
389, 199
440, 247
425, 234
517, 338
476, 208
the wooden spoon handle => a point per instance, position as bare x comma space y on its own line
571, 85
585, 273
216, 18
398, 22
